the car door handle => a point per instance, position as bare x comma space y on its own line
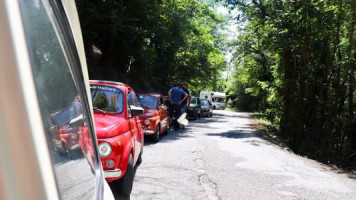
138, 121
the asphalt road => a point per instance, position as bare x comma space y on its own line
223, 158
74, 178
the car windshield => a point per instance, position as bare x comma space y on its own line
106, 98
65, 116
204, 103
148, 100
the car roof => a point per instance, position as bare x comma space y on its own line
149, 93
108, 83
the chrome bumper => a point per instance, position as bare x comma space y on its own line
112, 173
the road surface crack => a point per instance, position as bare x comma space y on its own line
209, 186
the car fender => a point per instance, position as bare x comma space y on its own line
155, 123
127, 150
158, 124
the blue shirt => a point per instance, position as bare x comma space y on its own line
177, 94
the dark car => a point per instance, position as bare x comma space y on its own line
206, 108
195, 108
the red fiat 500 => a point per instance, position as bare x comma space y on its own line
65, 138
156, 118
119, 132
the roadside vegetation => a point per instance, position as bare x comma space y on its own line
295, 63
153, 44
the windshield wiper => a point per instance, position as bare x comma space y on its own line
97, 109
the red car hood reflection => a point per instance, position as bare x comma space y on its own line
109, 126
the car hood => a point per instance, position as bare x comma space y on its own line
109, 126
149, 112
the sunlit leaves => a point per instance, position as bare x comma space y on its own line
295, 61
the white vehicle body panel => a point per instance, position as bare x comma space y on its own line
213, 98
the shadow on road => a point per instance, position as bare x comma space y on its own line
118, 196
205, 122
235, 134
233, 114
255, 139
208, 120
172, 135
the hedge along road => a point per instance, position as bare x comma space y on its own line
223, 158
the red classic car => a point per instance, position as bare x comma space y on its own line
119, 132
156, 119
65, 137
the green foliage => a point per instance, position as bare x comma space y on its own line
295, 62
152, 44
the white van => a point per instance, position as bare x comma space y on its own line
216, 98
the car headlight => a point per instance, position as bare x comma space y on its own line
147, 121
104, 149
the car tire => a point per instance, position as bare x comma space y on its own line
126, 182
214, 107
166, 132
200, 115
195, 116
211, 114
139, 159
68, 152
155, 137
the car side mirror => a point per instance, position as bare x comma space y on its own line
77, 121
136, 111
